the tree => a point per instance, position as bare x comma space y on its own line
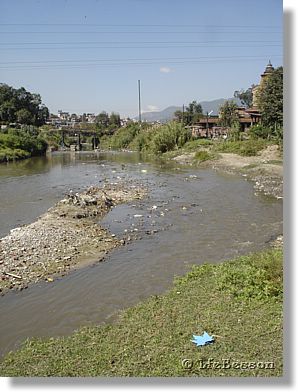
193, 113
115, 120
24, 116
270, 99
245, 96
22, 106
228, 114
103, 119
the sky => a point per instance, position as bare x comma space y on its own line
88, 55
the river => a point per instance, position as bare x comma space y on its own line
190, 216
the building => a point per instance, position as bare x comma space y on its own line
208, 126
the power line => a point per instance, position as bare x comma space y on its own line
131, 59
142, 32
134, 25
152, 62
139, 47
133, 42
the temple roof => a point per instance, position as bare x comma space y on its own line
268, 69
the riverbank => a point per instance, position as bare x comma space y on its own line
239, 302
265, 169
66, 236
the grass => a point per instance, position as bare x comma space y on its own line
274, 162
238, 301
203, 156
245, 147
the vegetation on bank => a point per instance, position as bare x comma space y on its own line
238, 301
21, 106
172, 139
20, 143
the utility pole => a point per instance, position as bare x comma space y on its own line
182, 115
139, 88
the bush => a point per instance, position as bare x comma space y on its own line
203, 156
259, 131
259, 276
18, 143
121, 138
244, 148
142, 141
195, 144
169, 137
7, 154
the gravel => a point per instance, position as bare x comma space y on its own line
67, 235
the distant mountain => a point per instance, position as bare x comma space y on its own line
168, 113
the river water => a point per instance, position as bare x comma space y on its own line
198, 215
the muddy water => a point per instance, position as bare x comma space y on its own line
190, 216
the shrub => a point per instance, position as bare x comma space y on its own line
7, 154
122, 137
169, 137
244, 148
195, 144
16, 139
203, 156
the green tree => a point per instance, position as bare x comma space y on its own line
245, 96
192, 114
228, 114
24, 116
270, 99
22, 106
114, 120
103, 119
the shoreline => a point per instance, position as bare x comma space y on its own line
239, 302
66, 237
264, 169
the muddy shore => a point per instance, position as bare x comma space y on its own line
68, 235
265, 169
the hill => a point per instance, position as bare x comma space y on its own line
168, 113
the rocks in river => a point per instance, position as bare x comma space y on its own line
62, 237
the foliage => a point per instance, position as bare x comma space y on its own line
21, 106
193, 145
245, 148
203, 156
141, 142
16, 143
261, 278
260, 131
107, 125
245, 96
192, 114
239, 302
123, 136
270, 99
169, 137
228, 114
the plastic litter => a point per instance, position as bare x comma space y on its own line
202, 340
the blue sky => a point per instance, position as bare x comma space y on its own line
87, 56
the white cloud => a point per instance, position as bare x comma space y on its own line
165, 69
152, 108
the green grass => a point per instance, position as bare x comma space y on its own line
203, 156
245, 147
274, 162
193, 145
239, 301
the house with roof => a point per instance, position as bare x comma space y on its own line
209, 126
